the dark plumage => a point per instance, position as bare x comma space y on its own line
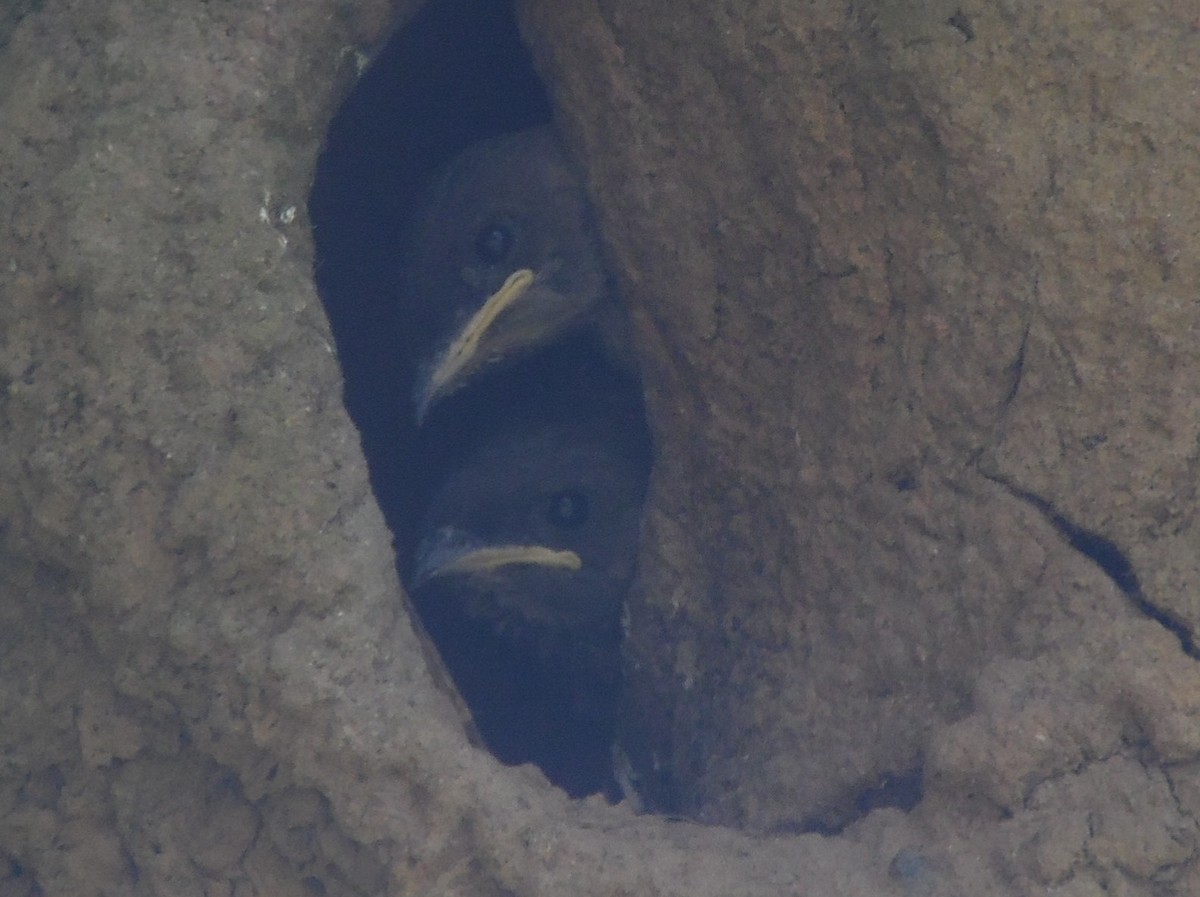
531, 453
500, 260
525, 551
541, 524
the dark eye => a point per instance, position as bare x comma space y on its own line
494, 243
569, 509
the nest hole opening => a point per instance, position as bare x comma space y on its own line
514, 495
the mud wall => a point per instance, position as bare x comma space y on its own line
913, 286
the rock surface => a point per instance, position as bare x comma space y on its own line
912, 286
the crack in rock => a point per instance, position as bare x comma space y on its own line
1107, 556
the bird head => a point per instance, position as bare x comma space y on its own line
501, 258
535, 528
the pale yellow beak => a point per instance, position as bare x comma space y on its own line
462, 356
481, 561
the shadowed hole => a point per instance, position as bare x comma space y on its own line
456, 74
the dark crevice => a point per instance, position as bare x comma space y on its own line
961, 23
1108, 557
901, 790
541, 688
1016, 370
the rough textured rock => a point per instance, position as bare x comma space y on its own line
907, 281
914, 285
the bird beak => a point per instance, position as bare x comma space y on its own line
463, 356
452, 553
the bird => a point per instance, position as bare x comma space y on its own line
500, 258
543, 524
525, 549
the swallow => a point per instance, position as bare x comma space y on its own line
501, 259
525, 550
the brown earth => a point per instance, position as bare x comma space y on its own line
915, 291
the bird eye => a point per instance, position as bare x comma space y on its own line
494, 242
569, 509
